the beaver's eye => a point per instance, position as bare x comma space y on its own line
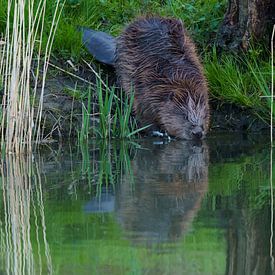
171, 96
185, 117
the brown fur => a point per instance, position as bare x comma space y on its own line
157, 58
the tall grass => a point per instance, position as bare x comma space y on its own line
127, 125
85, 126
22, 62
105, 103
242, 80
114, 114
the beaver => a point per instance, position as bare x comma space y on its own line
155, 57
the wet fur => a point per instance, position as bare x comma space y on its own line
156, 57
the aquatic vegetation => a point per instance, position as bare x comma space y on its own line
84, 132
114, 114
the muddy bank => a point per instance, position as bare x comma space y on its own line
65, 96
229, 117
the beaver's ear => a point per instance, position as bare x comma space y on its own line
176, 32
100, 44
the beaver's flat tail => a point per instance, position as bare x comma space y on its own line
100, 44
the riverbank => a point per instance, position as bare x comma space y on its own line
77, 103
66, 103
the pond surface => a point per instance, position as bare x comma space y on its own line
140, 207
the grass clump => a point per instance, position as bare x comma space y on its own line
241, 80
113, 114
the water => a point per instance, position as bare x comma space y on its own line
139, 207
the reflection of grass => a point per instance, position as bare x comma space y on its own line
103, 168
91, 166
86, 169
110, 163
249, 176
226, 178
123, 154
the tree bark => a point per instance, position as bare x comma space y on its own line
244, 21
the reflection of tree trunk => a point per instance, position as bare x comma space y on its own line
244, 20
248, 244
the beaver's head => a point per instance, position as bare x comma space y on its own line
185, 115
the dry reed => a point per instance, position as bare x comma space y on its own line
272, 84
271, 155
20, 69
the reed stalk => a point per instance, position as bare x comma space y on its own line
20, 69
272, 262
272, 85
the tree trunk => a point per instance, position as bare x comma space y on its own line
246, 20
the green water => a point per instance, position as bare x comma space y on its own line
141, 207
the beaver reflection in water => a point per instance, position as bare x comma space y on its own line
156, 57
158, 197
170, 182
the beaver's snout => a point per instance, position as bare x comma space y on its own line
197, 132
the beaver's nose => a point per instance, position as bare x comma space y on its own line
197, 132
197, 135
